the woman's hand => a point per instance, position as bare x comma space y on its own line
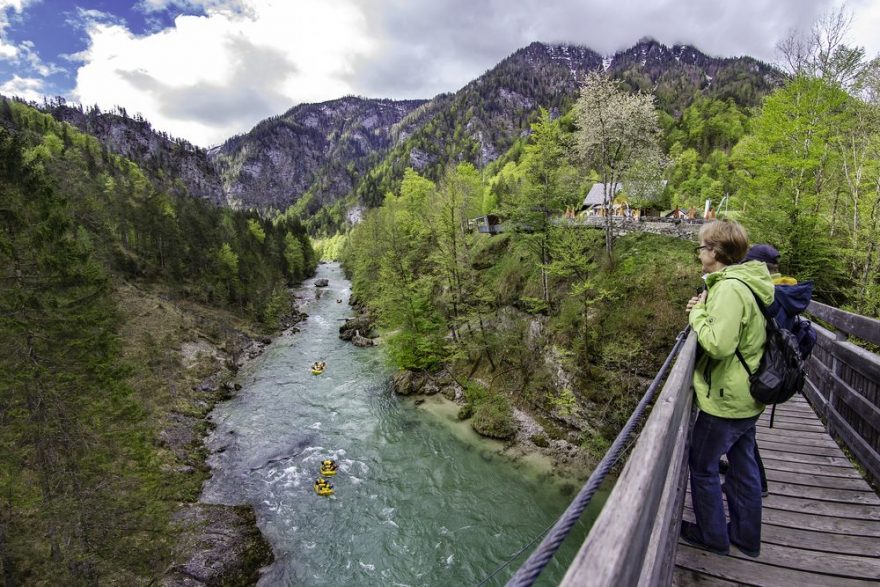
697, 299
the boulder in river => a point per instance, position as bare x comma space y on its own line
322, 282
361, 326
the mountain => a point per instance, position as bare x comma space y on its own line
486, 117
175, 165
676, 74
317, 154
316, 149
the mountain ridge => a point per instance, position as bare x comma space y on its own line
316, 154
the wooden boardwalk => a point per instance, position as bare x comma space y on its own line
821, 520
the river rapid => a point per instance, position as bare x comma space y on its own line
420, 498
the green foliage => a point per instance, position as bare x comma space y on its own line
76, 481
82, 499
330, 249
786, 171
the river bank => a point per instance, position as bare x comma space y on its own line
553, 451
186, 356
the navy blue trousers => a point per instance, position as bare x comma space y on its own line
711, 438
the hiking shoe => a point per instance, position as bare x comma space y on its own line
690, 533
747, 551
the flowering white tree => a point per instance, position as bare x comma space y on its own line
617, 135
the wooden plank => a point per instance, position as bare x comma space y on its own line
820, 541
798, 438
856, 511
688, 577
824, 493
783, 419
812, 540
826, 470
796, 405
859, 326
818, 480
754, 572
865, 454
660, 557
806, 521
821, 523
792, 427
817, 400
842, 565
863, 361
768, 444
630, 511
793, 457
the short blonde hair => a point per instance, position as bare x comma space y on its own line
727, 238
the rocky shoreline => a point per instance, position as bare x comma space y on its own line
217, 544
529, 436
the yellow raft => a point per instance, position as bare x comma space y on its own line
328, 472
317, 371
325, 489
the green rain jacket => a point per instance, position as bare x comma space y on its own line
730, 318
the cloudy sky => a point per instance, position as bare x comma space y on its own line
205, 70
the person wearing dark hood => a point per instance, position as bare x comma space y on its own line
790, 297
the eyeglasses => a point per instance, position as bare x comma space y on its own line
700, 248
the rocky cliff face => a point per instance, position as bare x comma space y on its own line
174, 165
316, 149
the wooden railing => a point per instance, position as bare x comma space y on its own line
843, 384
633, 540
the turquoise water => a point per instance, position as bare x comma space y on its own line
420, 499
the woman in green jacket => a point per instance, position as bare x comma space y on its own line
726, 318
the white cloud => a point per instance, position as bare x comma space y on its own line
865, 27
212, 76
9, 51
28, 88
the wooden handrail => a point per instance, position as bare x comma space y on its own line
633, 540
856, 325
843, 383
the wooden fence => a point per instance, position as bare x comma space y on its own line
843, 383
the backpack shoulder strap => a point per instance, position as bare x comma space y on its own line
763, 310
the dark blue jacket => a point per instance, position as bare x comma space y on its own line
789, 301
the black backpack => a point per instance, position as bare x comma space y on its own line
781, 373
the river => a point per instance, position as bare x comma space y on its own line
420, 498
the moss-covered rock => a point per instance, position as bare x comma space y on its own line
494, 418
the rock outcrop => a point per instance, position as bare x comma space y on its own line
221, 545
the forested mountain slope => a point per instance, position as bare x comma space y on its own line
319, 150
104, 279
